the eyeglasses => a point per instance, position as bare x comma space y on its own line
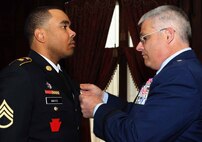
144, 37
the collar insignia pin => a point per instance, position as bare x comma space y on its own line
48, 68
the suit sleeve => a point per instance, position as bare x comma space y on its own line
16, 93
173, 104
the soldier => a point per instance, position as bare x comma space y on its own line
38, 100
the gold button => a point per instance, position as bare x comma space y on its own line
48, 68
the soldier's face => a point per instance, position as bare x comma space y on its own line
60, 38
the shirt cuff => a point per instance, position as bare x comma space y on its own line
105, 99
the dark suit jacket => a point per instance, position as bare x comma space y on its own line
171, 113
39, 105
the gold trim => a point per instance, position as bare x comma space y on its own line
28, 61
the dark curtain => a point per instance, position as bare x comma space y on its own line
107, 67
194, 11
91, 62
133, 10
91, 21
12, 17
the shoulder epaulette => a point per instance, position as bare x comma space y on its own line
21, 61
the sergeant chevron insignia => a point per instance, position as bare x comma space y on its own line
5, 113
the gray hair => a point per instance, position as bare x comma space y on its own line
170, 16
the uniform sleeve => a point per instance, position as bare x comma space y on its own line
172, 106
16, 105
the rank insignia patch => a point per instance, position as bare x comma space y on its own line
6, 115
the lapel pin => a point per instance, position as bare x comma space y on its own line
49, 86
48, 68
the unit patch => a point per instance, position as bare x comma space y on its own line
55, 125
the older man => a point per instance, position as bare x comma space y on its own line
168, 107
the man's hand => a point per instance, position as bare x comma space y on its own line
90, 96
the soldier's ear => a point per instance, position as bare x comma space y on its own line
39, 35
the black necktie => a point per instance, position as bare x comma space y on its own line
66, 84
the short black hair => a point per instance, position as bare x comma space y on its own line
36, 19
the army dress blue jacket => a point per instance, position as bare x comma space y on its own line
37, 104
